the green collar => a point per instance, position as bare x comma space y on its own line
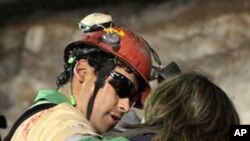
51, 96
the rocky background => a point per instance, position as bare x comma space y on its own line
209, 35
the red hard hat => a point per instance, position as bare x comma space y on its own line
132, 50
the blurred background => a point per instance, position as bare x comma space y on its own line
208, 35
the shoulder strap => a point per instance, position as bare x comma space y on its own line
3, 123
26, 115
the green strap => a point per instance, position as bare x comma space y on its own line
51, 96
116, 138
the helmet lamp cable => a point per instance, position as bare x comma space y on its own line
72, 98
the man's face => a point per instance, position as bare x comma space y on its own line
109, 107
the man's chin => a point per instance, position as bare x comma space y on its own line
104, 130
105, 127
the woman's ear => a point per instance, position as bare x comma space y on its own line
81, 69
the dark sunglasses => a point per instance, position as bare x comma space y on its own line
123, 86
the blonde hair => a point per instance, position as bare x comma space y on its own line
189, 107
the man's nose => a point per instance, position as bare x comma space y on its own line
124, 104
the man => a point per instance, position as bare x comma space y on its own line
106, 71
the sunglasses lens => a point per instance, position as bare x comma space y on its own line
122, 85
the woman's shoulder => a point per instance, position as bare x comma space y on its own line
144, 137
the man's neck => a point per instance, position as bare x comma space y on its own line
65, 90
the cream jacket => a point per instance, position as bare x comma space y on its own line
54, 124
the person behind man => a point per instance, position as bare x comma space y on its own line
106, 71
187, 107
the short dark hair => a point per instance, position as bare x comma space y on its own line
96, 58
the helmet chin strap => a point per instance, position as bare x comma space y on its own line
103, 73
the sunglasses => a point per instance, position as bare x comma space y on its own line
123, 86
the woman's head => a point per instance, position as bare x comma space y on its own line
190, 106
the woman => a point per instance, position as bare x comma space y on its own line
187, 107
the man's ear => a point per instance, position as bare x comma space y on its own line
81, 68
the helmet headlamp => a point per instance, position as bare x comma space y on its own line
113, 39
